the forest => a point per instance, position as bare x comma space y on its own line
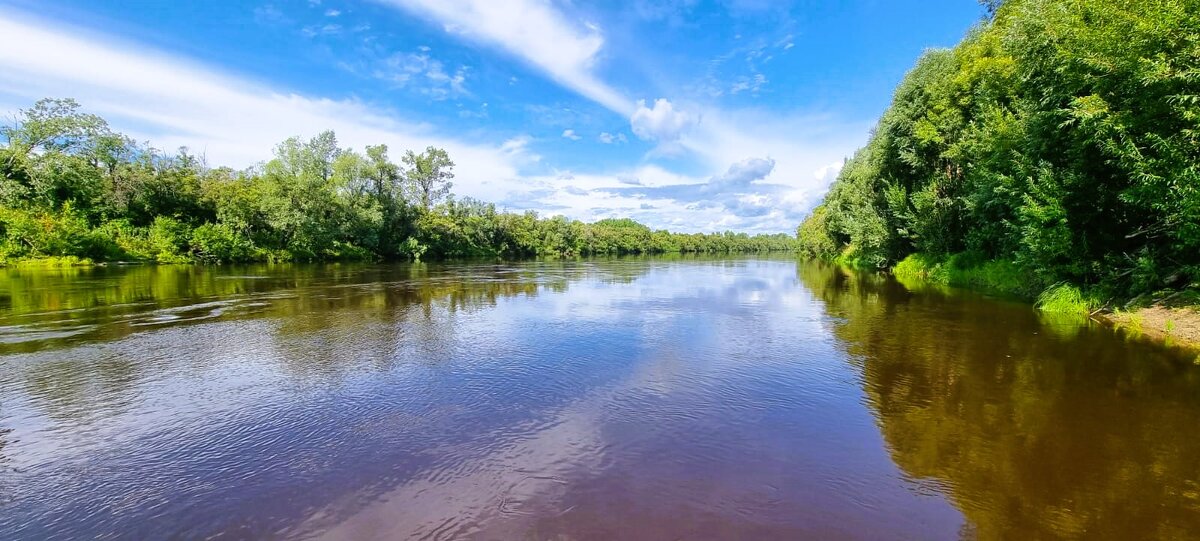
1054, 151
72, 190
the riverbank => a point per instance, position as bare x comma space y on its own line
1170, 316
61, 262
1173, 319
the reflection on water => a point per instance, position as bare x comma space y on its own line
1035, 428
629, 398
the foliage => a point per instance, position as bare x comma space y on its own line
221, 243
966, 270
429, 175
71, 187
1065, 299
1061, 137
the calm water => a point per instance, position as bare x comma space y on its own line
620, 399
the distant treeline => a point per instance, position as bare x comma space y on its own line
72, 187
1059, 142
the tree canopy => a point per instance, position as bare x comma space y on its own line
1061, 135
71, 186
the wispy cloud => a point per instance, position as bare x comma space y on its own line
609, 139
321, 30
533, 31
423, 73
232, 121
751, 84
754, 170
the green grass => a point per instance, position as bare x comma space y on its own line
49, 262
1005, 277
1063, 298
961, 270
851, 258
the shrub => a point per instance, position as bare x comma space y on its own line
168, 239
220, 243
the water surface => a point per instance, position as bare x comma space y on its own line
666, 398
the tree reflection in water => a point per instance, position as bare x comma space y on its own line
1037, 429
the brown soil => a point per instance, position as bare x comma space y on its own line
1177, 325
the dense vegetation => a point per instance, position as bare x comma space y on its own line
1059, 143
72, 188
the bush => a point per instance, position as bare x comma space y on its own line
168, 239
126, 241
28, 233
220, 243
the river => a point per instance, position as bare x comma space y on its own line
640, 398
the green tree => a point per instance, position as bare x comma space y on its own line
429, 175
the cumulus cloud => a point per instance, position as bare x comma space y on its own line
741, 174
570, 134
661, 123
829, 172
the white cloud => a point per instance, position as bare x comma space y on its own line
567, 49
231, 121
662, 123
423, 74
534, 31
517, 149
608, 138
828, 173
234, 120
741, 174
570, 134
332, 13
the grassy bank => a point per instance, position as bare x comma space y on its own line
1170, 315
53, 262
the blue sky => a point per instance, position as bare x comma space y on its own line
683, 114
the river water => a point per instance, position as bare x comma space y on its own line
660, 398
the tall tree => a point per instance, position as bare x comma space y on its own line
429, 175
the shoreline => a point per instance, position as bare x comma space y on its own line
1173, 326
1168, 318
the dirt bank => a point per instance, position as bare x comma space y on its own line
1171, 322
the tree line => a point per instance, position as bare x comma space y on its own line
1058, 143
71, 187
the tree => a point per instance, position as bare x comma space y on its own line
991, 6
429, 175
53, 154
69, 186
301, 201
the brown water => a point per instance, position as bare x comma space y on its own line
612, 399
